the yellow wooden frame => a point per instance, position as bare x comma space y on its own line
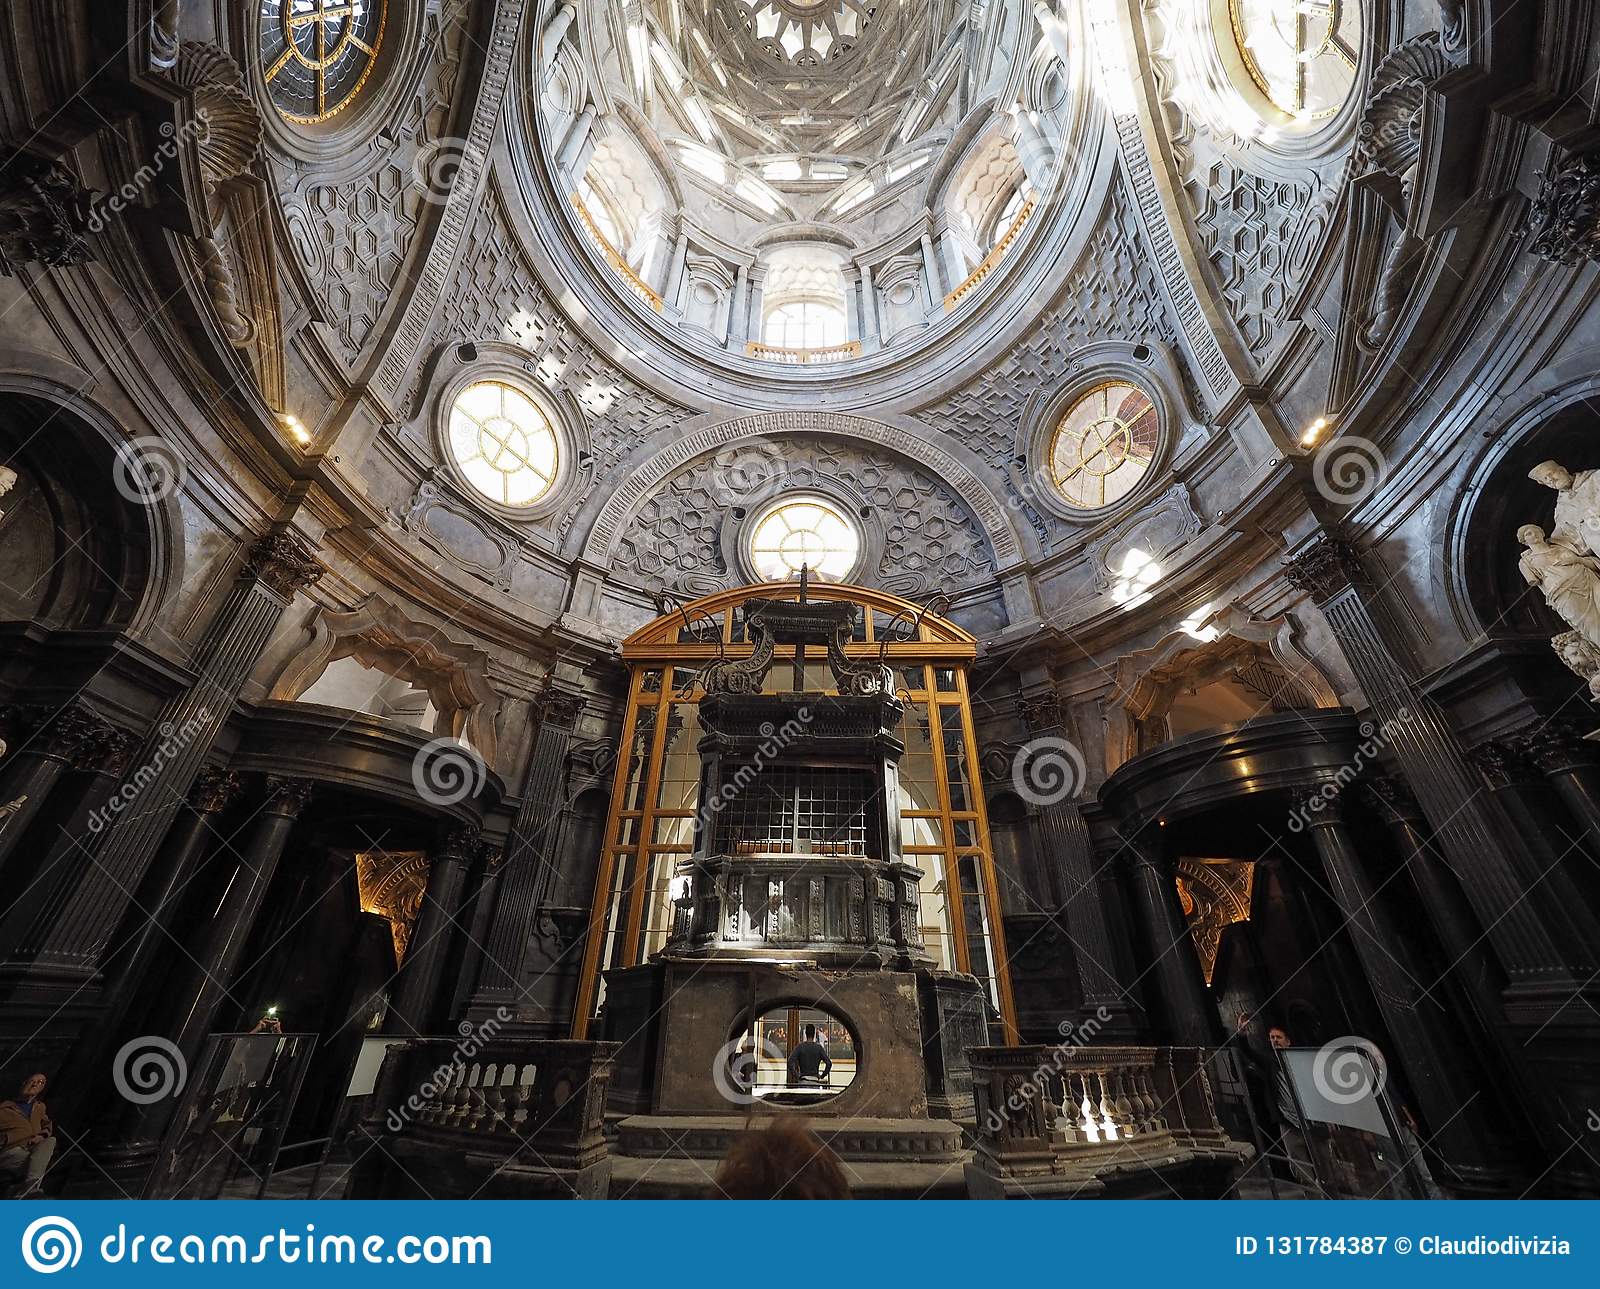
657, 647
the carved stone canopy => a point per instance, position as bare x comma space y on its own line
379, 634
1390, 133
771, 622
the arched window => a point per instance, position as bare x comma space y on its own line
1298, 55
804, 324
316, 55
808, 531
1103, 445
504, 443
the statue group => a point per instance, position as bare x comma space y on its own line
1565, 566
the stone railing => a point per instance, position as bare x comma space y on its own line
501, 1118
803, 357
1124, 1121
614, 257
995, 255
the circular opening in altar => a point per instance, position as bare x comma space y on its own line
796, 1056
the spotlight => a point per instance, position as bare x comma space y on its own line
297, 430
1313, 432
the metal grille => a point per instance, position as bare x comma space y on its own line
796, 810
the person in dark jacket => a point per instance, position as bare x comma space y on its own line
809, 1063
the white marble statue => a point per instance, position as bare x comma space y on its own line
1577, 522
1581, 657
1569, 580
8, 481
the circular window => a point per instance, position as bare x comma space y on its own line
1104, 444
504, 443
810, 532
317, 54
1300, 54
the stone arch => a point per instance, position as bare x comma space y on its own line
1262, 652
625, 500
380, 635
117, 560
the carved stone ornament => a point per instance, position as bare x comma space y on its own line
282, 564
214, 791
45, 216
1392, 798
1041, 713
228, 123
287, 797
1564, 220
1325, 569
558, 707
1390, 133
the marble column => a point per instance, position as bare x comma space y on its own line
221, 944
932, 282
550, 41
43, 743
870, 330
161, 894
417, 1006
1191, 1019
1072, 883
577, 136
1437, 1063
739, 310
77, 919
1548, 950
680, 257
1570, 764
532, 866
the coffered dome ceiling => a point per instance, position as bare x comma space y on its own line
567, 297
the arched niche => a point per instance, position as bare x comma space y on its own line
1251, 667
81, 546
379, 635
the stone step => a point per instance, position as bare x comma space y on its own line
692, 1179
708, 1137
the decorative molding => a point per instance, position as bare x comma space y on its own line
1325, 569
282, 564
45, 217
1564, 220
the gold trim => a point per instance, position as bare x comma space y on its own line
996, 253
613, 257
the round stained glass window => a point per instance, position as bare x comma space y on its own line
808, 531
317, 54
504, 443
1104, 444
1300, 54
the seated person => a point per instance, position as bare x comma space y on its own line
27, 1138
809, 1063
784, 1161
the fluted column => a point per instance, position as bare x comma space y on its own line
161, 894
77, 920
1570, 763
416, 1006
531, 871
1548, 951
1191, 1011
1072, 880
1429, 1044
